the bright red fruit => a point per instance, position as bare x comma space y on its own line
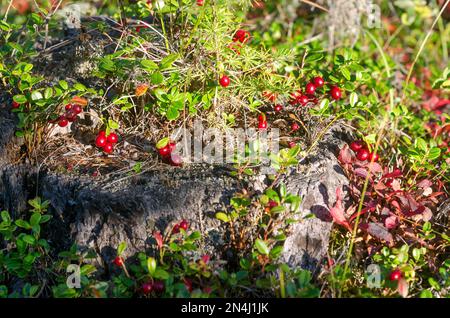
310, 89
15, 105
100, 141
363, 154
295, 127
184, 225
373, 157
272, 204
336, 93
176, 229
303, 99
119, 261
262, 125
63, 122
200, 3
102, 133
68, 106
318, 81
164, 151
357, 145
77, 109
224, 81
396, 274
278, 108
262, 117
113, 138
108, 148
147, 288
241, 36
172, 146
71, 116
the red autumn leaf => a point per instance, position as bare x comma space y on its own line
345, 156
391, 222
337, 212
403, 287
159, 239
394, 174
424, 184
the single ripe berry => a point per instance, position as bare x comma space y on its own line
336, 93
118, 261
272, 204
363, 154
224, 81
158, 286
172, 146
63, 122
373, 157
278, 108
318, 81
240, 36
200, 3
68, 107
303, 99
164, 151
147, 288
184, 225
396, 274
102, 133
176, 229
295, 127
389, 183
262, 125
100, 141
262, 117
15, 105
291, 144
310, 89
108, 148
176, 160
357, 145
112, 138
77, 109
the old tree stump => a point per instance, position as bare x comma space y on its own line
100, 213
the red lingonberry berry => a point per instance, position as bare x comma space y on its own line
176, 229
63, 122
176, 160
15, 105
336, 93
278, 108
147, 288
100, 141
363, 154
295, 127
77, 109
303, 99
310, 89
262, 125
373, 157
113, 138
118, 261
184, 225
200, 3
357, 145
102, 133
272, 204
158, 286
68, 107
396, 274
224, 81
108, 148
318, 81
164, 151
262, 117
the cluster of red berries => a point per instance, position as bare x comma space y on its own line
166, 152
106, 142
156, 286
298, 98
71, 114
262, 122
362, 152
184, 225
